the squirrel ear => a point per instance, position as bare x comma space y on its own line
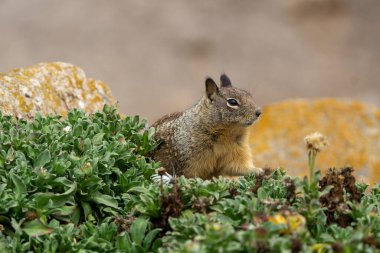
225, 80
211, 88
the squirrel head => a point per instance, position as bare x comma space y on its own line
230, 105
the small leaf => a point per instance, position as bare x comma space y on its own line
261, 193
149, 238
64, 181
104, 200
156, 245
48, 199
326, 190
11, 154
42, 159
151, 132
138, 230
4, 219
139, 189
77, 131
97, 139
36, 228
86, 209
75, 216
20, 186
17, 225
87, 145
65, 210
123, 242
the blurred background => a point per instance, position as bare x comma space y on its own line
155, 55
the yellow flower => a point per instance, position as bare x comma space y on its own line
277, 219
316, 141
296, 221
214, 226
319, 247
293, 222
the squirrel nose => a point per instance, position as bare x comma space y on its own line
258, 112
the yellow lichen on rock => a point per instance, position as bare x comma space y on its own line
352, 130
51, 88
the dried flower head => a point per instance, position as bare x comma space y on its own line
163, 175
316, 141
161, 171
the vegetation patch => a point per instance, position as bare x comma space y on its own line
83, 184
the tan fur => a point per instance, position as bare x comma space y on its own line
210, 139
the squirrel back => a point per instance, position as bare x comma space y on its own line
209, 139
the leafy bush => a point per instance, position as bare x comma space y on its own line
83, 184
61, 180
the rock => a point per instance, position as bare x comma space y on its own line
51, 88
352, 129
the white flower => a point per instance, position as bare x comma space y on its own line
67, 129
166, 177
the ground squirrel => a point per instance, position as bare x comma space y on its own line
209, 139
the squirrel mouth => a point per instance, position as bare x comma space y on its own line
249, 122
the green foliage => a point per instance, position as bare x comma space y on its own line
62, 179
83, 184
247, 222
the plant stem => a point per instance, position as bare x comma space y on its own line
312, 155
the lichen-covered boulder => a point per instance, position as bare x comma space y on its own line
352, 129
51, 88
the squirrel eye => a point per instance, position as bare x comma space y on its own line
232, 102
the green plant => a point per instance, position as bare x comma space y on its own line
83, 184
72, 171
